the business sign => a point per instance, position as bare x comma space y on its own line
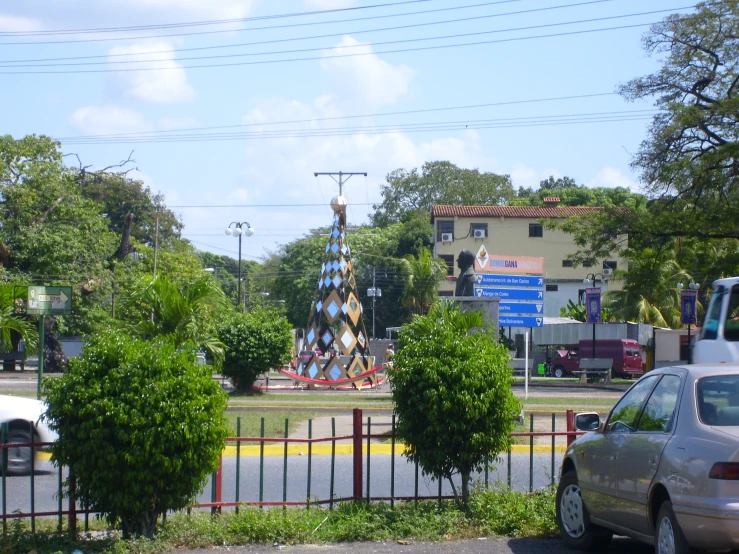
487, 279
509, 264
688, 305
592, 305
510, 294
520, 308
49, 301
520, 321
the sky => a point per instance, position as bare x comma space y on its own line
229, 107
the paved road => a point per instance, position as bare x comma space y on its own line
620, 545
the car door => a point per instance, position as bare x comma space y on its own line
598, 456
640, 452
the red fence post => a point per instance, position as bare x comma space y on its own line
357, 451
570, 426
72, 517
219, 483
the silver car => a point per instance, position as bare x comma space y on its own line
663, 467
23, 421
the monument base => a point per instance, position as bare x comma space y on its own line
488, 307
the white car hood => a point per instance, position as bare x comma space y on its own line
27, 409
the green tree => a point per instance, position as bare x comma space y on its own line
157, 306
140, 424
424, 274
691, 152
255, 342
438, 182
452, 393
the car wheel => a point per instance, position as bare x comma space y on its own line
559, 372
19, 459
573, 520
669, 537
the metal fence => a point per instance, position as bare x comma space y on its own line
256, 471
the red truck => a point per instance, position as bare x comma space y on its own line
627, 361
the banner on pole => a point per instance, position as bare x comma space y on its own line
592, 305
688, 307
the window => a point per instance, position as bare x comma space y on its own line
709, 331
659, 410
731, 325
718, 400
610, 264
626, 413
552, 288
449, 259
536, 230
587, 263
444, 227
478, 230
566, 263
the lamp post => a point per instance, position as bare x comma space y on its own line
592, 302
239, 229
688, 301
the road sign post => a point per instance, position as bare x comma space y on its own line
43, 301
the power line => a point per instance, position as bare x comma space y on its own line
313, 37
201, 23
332, 56
360, 116
633, 115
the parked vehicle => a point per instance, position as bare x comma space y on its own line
625, 353
718, 340
663, 467
25, 424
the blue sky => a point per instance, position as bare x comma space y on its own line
296, 112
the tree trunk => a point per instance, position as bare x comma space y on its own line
466, 489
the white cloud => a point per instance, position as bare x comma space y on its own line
611, 177
529, 177
366, 78
166, 85
103, 120
11, 23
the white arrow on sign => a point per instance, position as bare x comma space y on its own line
540, 295
61, 297
540, 281
538, 308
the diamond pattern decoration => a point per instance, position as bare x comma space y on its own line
356, 367
334, 248
334, 370
314, 368
327, 337
332, 306
354, 307
347, 341
337, 280
311, 336
361, 340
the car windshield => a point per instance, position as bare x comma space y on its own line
718, 400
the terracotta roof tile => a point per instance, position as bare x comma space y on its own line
535, 212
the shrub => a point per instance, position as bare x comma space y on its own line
452, 390
256, 342
140, 425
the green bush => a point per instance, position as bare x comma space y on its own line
452, 390
256, 341
140, 425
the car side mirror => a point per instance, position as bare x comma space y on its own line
589, 421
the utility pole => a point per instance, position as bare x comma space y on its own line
341, 175
374, 292
156, 243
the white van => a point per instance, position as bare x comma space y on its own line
718, 341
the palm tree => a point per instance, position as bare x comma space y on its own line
187, 314
424, 274
650, 294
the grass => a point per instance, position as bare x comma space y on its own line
492, 512
274, 422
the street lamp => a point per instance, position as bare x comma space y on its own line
592, 302
239, 228
688, 301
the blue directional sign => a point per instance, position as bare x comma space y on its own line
521, 321
484, 279
510, 294
520, 308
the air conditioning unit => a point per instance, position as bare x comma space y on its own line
479, 233
607, 271
447, 237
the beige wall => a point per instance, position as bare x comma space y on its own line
510, 237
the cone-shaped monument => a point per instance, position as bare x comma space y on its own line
335, 323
